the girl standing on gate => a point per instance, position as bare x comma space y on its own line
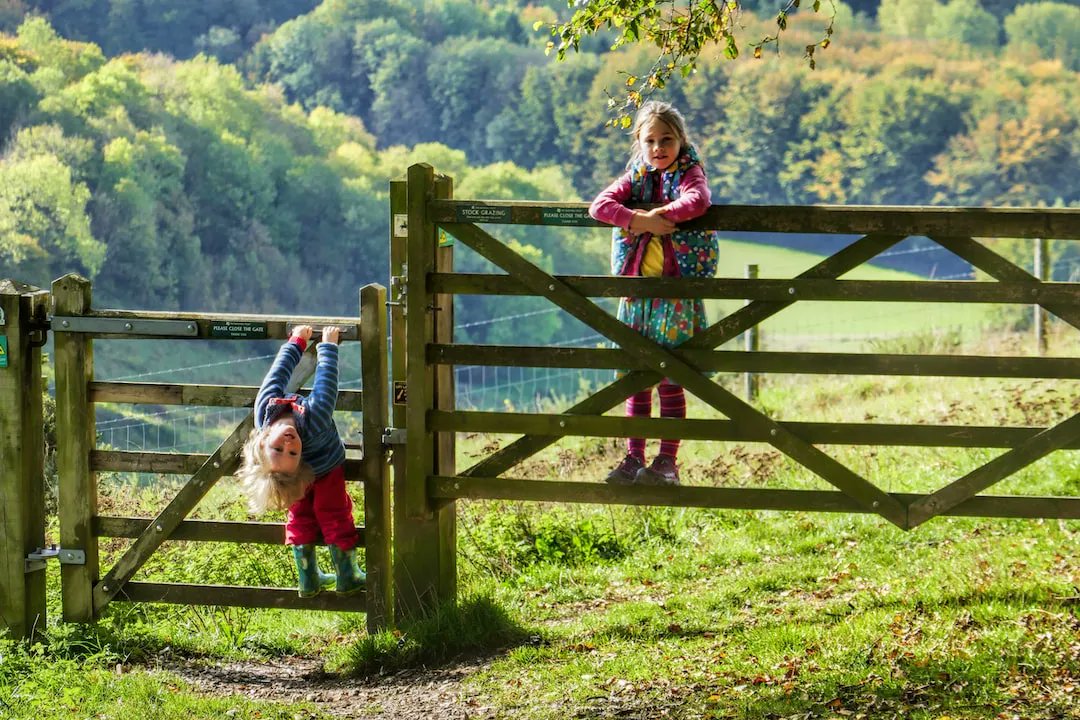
294, 460
664, 168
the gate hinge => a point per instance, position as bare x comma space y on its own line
125, 326
67, 556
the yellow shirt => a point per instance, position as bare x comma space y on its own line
652, 264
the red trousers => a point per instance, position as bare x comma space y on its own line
324, 513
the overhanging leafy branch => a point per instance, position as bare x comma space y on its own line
679, 29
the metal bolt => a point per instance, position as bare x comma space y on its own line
791, 291
562, 423
551, 287
105, 588
457, 486
1034, 292
874, 504
663, 364
127, 326
191, 327
65, 323
217, 464
159, 528
774, 432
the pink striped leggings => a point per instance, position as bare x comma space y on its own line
672, 405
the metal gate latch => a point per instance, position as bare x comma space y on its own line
393, 436
36, 560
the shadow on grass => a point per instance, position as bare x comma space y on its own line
472, 628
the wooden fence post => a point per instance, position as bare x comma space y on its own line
424, 549
1042, 271
751, 344
445, 400
22, 462
376, 472
75, 438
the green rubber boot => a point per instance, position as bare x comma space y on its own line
312, 580
350, 578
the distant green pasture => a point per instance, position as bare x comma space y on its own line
829, 325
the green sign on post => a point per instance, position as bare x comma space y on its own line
3, 351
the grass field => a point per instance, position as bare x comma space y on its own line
839, 325
587, 612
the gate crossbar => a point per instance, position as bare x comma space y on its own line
671, 364
223, 461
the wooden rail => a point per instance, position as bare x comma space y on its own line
872, 230
86, 591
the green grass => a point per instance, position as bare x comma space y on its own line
778, 615
41, 682
581, 611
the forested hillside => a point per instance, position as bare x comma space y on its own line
883, 119
222, 28
262, 185
172, 185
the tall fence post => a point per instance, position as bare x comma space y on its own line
424, 552
399, 458
75, 438
22, 463
1042, 272
751, 344
373, 353
445, 400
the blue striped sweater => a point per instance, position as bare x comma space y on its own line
323, 449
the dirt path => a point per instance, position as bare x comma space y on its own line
406, 695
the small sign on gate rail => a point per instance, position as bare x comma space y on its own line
3, 351
566, 216
244, 330
478, 212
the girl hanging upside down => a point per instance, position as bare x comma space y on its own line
294, 461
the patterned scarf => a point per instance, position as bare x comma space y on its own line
695, 251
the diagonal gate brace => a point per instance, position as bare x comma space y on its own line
1001, 467
720, 332
1000, 268
671, 364
222, 461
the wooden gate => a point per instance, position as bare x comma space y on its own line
86, 591
415, 416
430, 210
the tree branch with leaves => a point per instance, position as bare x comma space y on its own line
680, 30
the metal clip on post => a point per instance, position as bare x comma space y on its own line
36, 560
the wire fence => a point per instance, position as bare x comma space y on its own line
523, 389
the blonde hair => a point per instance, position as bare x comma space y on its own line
665, 113
266, 489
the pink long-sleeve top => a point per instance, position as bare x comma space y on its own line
694, 199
